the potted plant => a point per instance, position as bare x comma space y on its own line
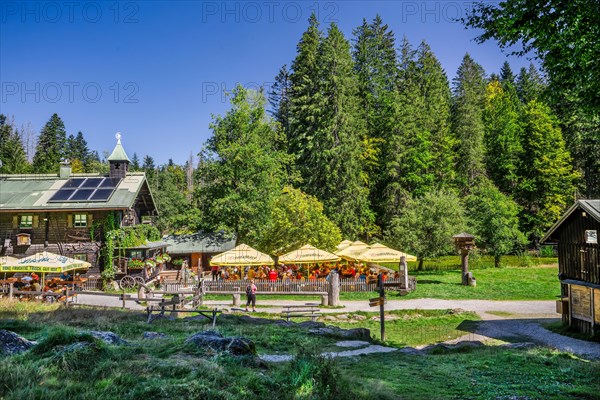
135, 263
178, 262
150, 263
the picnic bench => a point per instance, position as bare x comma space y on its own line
309, 310
173, 305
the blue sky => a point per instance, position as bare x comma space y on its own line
156, 70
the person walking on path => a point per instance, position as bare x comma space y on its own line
251, 295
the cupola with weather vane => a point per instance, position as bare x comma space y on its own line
118, 160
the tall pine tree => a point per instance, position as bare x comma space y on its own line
12, 152
467, 122
51, 147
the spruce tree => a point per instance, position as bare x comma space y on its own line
530, 84
333, 172
305, 99
503, 136
51, 146
279, 99
506, 74
12, 152
467, 122
135, 163
437, 103
547, 178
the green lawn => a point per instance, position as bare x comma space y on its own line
168, 369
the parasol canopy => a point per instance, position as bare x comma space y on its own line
44, 262
353, 250
308, 255
343, 244
242, 255
379, 253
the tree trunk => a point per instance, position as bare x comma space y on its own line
420, 266
465, 266
497, 261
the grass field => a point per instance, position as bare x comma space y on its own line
509, 283
167, 369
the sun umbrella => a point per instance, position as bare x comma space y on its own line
353, 250
242, 255
343, 244
6, 260
378, 253
308, 255
44, 262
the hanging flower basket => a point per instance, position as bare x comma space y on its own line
178, 262
150, 263
159, 259
166, 257
135, 263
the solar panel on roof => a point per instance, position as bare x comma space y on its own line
63, 195
82, 195
101, 195
73, 183
86, 189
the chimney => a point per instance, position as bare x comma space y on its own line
65, 169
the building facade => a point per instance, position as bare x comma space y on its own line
576, 235
66, 213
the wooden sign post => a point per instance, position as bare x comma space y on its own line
465, 242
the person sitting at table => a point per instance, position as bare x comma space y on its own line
65, 276
251, 273
26, 279
273, 275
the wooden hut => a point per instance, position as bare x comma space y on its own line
576, 234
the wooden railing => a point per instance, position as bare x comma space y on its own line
292, 286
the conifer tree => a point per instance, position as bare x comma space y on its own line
333, 172
51, 146
530, 84
506, 74
305, 98
467, 122
503, 136
135, 163
12, 152
437, 103
547, 178
279, 99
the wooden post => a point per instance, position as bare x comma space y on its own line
123, 298
381, 305
67, 297
404, 267
465, 266
10, 290
334, 289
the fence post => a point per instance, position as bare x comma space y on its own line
404, 267
334, 289
10, 290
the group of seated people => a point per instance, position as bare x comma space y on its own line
53, 289
355, 271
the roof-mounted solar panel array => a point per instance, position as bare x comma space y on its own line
86, 189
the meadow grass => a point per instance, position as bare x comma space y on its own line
168, 368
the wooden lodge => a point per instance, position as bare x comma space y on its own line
576, 234
62, 213
198, 248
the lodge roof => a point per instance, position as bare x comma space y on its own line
200, 242
591, 207
33, 192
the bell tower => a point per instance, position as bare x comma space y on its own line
118, 160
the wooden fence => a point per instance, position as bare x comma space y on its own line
292, 286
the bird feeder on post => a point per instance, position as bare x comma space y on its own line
465, 242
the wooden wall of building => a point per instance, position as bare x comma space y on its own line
577, 259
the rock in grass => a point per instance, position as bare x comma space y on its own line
109, 337
11, 343
154, 335
356, 333
237, 346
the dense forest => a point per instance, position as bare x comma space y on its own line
367, 138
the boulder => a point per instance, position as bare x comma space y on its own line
11, 343
109, 337
356, 333
237, 346
154, 335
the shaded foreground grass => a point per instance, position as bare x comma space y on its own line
168, 368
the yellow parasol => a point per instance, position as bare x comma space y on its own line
242, 255
44, 262
353, 250
308, 255
378, 253
343, 244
